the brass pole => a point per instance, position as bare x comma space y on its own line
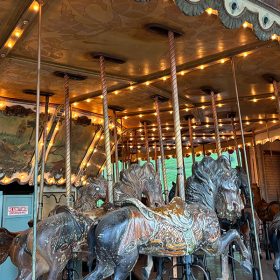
155, 157
247, 168
116, 145
176, 116
191, 139
43, 160
106, 130
216, 124
235, 142
146, 142
67, 142
35, 201
162, 154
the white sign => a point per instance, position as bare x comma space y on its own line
17, 210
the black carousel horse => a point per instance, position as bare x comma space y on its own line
177, 229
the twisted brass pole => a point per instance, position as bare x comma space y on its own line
35, 201
176, 116
191, 139
146, 142
247, 168
216, 124
162, 154
106, 130
156, 157
69, 200
116, 145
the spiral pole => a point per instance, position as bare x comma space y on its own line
69, 199
162, 154
216, 124
235, 142
156, 157
247, 168
116, 145
146, 142
106, 130
191, 139
43, 160
176, 115
35, 201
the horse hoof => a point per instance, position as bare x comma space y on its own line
144, 274
247, 266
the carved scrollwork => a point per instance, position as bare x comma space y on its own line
233, 13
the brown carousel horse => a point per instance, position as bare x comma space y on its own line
178, 229
14, 244
63, 234
266, 212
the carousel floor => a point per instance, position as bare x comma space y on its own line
215, 270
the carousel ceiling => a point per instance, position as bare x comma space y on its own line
73, 30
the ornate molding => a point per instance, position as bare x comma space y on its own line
233, 13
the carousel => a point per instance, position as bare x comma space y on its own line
139, 139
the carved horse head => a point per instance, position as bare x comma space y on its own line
137, 181
88, 195
229, 203
215, 184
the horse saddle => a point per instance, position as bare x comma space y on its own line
176, 213
173, 228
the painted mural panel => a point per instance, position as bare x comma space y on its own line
17, 140
82, 133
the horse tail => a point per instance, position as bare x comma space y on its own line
6, 240
91, 246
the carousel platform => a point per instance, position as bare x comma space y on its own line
214, 267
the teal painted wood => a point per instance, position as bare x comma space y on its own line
11, 220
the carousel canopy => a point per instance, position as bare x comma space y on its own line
133, 33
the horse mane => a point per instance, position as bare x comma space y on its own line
132, 181
207, 175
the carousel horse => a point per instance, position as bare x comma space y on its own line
266, 212
15, 244
177, 229
274, 238
243, 224
61, 236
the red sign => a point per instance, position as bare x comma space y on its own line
17, 210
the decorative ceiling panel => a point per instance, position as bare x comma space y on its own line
72, 29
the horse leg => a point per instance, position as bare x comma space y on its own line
56, 268
146, 271
125, 265
160, 267
229, 237
267, 251
101, 271
276, 265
